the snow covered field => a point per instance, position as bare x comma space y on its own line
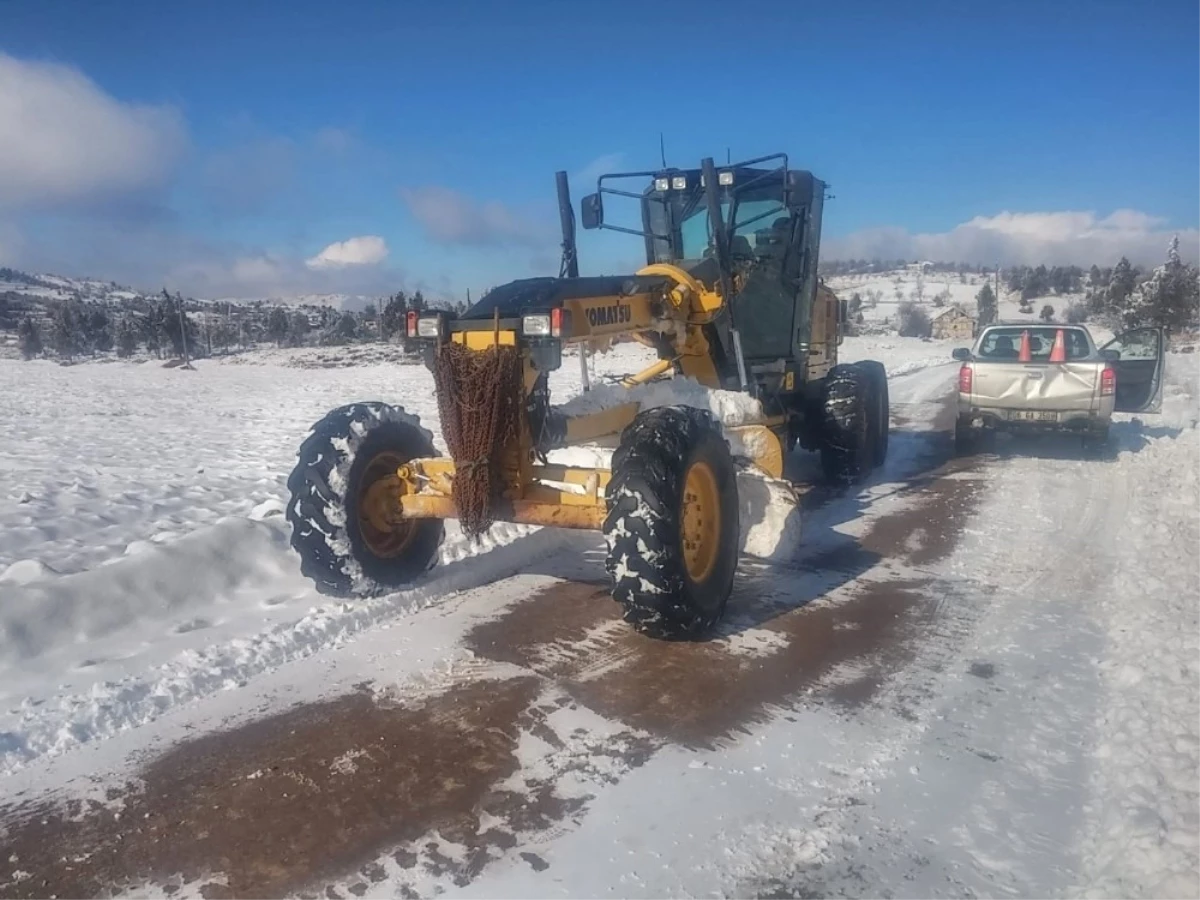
971, 678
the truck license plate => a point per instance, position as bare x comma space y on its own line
1033, 415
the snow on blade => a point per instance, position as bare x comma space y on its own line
728, 407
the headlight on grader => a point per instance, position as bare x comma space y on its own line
429, 326
545, 324
419, 326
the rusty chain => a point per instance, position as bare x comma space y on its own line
479, 395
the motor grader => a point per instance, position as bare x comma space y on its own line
729, 297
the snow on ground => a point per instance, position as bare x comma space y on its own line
120, 477
1146, 783
1036, 734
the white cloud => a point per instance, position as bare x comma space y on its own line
449, 217
367, 250
1064, 238
66, 143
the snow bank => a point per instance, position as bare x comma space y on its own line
64, 720
157, 583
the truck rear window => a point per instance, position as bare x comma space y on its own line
1005, 343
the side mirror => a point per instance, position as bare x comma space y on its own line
592, 211
843, 311
962, 354
1110, 355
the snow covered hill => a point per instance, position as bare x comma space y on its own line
47, 286
972, 677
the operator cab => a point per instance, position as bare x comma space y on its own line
756, 239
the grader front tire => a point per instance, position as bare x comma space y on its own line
672, 523
345, 544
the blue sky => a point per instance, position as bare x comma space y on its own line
220, 147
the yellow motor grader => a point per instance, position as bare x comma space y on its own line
729, 297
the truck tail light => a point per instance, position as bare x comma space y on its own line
411, 322
556, 322
966, 379
1108, 381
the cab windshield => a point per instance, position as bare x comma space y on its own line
755, 219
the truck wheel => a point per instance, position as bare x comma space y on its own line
881, 413
344, 545
846, 451
672, 522
966, 438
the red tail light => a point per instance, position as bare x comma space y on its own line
556, 320
1108, 381
966, 379
413, 315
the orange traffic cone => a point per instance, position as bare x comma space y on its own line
1058, 353
1026, 355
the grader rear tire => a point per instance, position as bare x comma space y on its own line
880, 409
672, 523
847, 453
343, 546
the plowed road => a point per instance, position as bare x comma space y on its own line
861, 724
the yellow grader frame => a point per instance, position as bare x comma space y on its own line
370, 494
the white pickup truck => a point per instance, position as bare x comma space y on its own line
1049, 377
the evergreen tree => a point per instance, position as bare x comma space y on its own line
418, 302
173, 326
392, 320
66, 329
277, 326
98, 330
1037, 284
297, 329
1120, 287
1170, 298
985, 303
1047, 314
128, 334
29, 338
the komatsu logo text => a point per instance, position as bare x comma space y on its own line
617, 314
